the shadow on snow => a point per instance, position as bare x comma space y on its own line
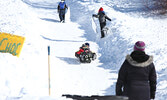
50, 20
59, 40
71, 61
42, 5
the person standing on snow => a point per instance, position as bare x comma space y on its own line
62, 7
137, 76
102, 20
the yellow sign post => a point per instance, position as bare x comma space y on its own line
11, 43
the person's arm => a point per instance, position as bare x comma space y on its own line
66, 6
94, 15
79, 52
58, 9
121, 79
153, 81
107, 18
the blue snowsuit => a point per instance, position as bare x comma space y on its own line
62, 10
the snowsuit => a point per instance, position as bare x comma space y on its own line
137, 77
102, 20
62, 10
82, 49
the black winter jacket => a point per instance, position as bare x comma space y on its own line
137, 77
102, 17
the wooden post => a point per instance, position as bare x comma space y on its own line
49, 69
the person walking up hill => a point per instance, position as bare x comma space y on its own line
102, 20
62, 7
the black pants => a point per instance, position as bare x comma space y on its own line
62, 15
102, 25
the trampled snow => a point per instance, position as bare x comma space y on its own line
26, 77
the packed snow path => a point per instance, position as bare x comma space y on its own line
68, 75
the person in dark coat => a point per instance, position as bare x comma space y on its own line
137, 76
102, 20
62, 7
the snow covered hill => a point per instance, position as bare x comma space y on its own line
26, 77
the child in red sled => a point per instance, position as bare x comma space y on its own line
83, 48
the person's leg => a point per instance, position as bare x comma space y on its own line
64, 17
102, 25
102, 34
61, 15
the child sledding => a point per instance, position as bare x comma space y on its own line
85, 55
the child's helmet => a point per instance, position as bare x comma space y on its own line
87, 44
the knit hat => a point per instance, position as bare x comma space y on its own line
87, 44
101, 9
139, 46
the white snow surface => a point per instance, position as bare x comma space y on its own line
26, 77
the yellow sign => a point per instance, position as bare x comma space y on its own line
11, 43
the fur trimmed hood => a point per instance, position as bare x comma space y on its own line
142, 64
